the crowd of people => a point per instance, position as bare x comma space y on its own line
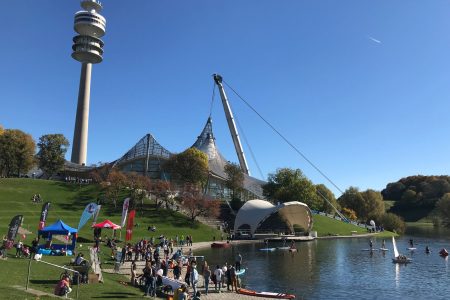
162, 258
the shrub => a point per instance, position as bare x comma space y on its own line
349, 214
392, 222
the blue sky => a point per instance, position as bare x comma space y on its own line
361, 87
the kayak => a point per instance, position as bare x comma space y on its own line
267, 249
240, 272
265, 294
220, 245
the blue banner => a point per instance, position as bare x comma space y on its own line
88, 212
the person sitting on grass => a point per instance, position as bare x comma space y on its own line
62, 288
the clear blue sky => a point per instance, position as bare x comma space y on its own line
361, 87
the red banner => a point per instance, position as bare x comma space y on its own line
130, 225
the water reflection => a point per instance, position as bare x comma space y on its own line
339, 268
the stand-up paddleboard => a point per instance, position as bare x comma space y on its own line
293, 250
384, 249
368, 249
265, 294
267, 249
240, 272
411, 248
283, 248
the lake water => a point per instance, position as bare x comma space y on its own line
339, 269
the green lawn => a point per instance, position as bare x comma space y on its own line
327, 226
68, 202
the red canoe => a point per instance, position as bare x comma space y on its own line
265, 294
220, 245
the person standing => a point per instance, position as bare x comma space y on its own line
228, 275
19, 248
233, 279
177, 271
194, 277
206, 276
218, 274
238, 261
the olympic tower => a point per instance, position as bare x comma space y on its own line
87, 49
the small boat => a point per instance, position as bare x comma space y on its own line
398, 258
240, 272
268, 249
220, 245
265, 294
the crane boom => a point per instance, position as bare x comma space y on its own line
232, 125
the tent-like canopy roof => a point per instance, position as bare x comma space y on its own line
106, 224
59, 227
254, 212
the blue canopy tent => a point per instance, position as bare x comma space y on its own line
57, 228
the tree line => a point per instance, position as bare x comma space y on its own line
421, 196
18, 152
292, 185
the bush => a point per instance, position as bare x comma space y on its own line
392, 222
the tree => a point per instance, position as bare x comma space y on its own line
235, 179
443, 207
1, 129
198, 204
52, 149
101, 172
190, 166
16, 152
291, 185
373, 204
161, 191
325, 206
367, 205
114, 185
138, 186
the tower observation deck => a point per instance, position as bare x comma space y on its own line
88, 49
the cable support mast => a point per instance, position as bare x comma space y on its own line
232, 125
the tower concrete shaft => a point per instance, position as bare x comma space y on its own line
80, 135
88, 49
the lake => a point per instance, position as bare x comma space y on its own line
339, 269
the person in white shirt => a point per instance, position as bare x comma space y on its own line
218, 273
194, 277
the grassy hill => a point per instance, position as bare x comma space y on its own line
68, 202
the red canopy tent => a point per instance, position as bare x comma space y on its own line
107, 224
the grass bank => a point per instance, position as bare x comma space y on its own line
326, 226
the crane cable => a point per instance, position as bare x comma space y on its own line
284, 138
212, 99
249, 147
